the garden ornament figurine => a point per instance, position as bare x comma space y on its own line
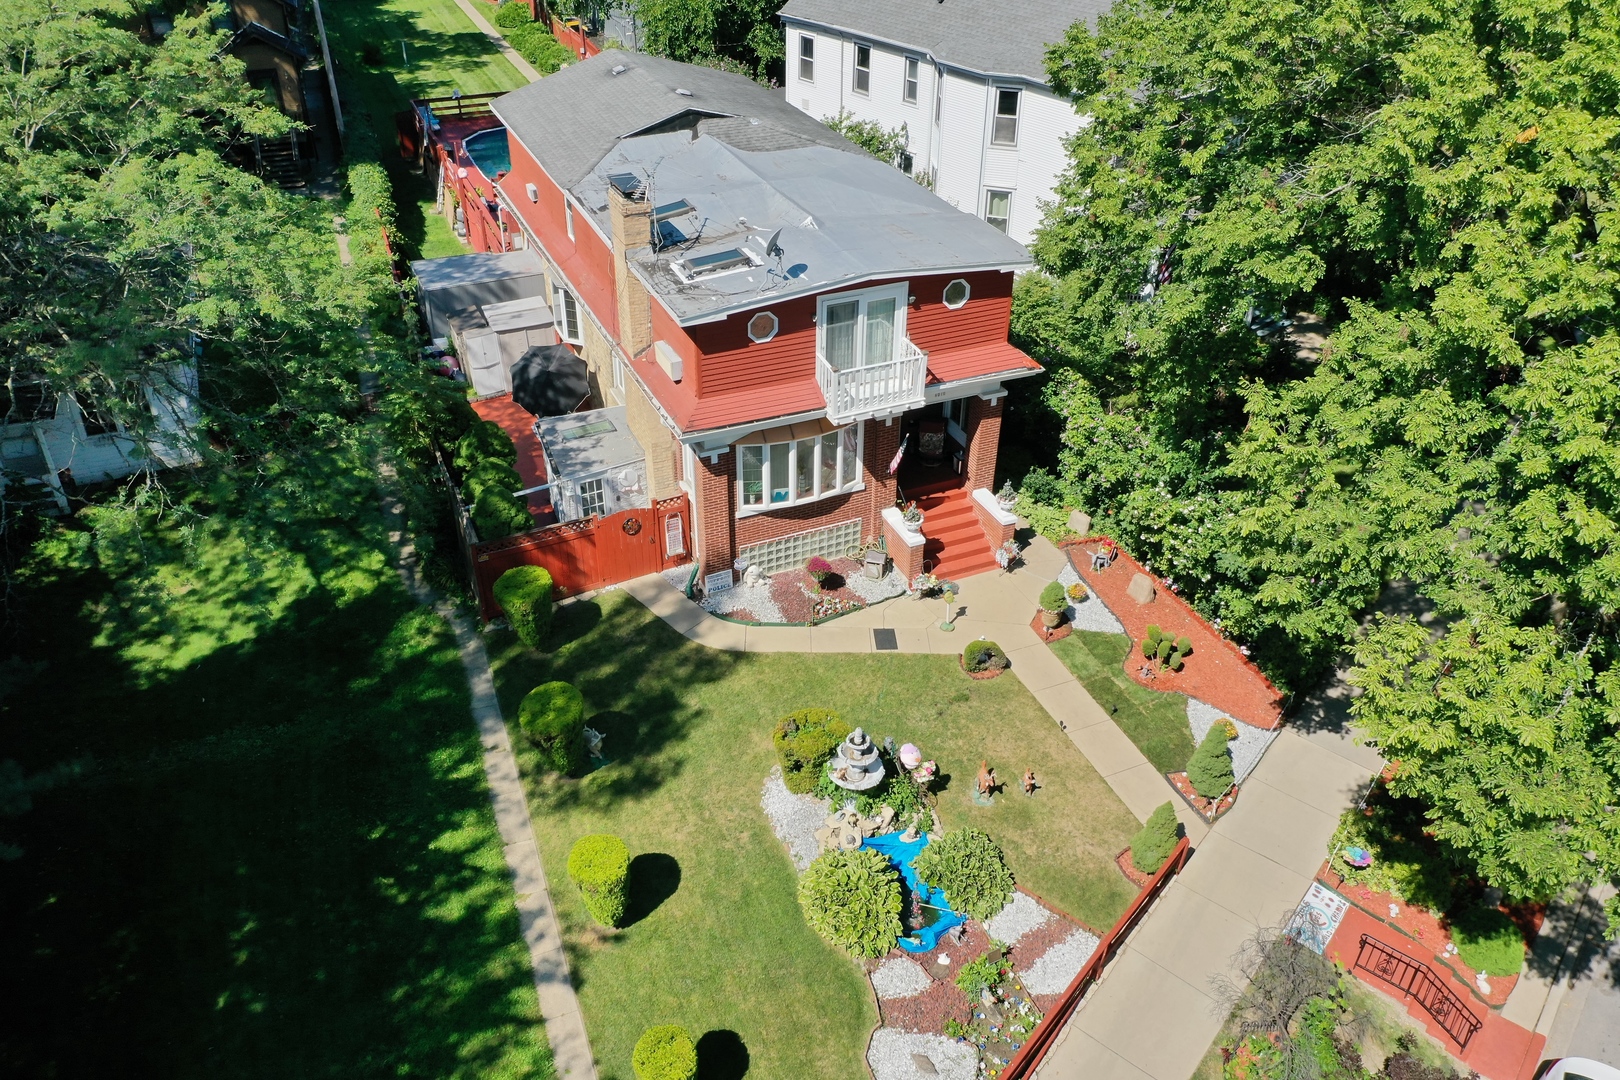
949, 592
984, 785
1029, 781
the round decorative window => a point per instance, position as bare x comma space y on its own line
762, 327
956, 294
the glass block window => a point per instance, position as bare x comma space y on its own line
791, 552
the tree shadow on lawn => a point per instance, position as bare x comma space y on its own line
654, 878
722, 1055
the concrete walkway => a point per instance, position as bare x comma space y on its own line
997, 606
526, 69
559, 1007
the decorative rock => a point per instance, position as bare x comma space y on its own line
924, 1064
1080, 522
1141, 589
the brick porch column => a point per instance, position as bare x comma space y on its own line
716, 518
882, 440
984, 440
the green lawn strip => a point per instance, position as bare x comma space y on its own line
1154, 721
443, 52
717, 941
280, 858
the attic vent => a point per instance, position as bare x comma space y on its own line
619, 69
681, 90
627, 184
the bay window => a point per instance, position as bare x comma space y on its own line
797, 464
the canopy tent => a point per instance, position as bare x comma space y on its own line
549, 380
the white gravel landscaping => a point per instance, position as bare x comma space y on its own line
1055, 970
1247, 749
1091, 613
899, 977
891, 1050
794, 818
871, 592
1021, 915
755, 600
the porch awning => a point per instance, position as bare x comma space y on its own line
808, 429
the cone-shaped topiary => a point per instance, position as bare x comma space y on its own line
600, 866
1155, 840
1054, 597
497, 513
969, 866
552, 715
852, 898
524, 594
665, 1052
1210, 770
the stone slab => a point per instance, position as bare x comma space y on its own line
837, 638
1312, 773
1268, 820
1077, 1054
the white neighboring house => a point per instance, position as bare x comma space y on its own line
43, 434
966, 81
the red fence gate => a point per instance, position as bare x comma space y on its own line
588, 554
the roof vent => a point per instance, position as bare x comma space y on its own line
619, 69
683, 91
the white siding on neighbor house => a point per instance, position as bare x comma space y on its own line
834, 88
962, 142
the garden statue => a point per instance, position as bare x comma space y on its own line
948, 591
753, 576
984, 785
1029, 781
910, 756
593, 742
856, 766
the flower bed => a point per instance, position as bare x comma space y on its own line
793, 597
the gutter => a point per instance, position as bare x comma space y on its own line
904, 47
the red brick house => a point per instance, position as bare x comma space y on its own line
776, 309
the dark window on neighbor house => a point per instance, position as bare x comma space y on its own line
268, 84
95, 417
863, 69
905, 162
807, 58
24, 402
1005, 131
909, 89
998, 208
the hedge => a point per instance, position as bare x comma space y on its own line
1488, 941
535, 44
805, 741
969, 866
600, 866
371, 195
512, 13
852, 898
485, 439
497, 513
524, 594
1156, 839
489, 473
552, 716
665, 1052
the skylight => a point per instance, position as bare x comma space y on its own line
673, 209
579, 431
717, 260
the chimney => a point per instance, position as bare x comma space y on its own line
632, 229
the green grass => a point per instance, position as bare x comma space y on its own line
443, 52
278, 858
717, 941
1155, 722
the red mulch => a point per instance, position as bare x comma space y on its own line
1033, 945
1049, 634
1132, 874
981, 676
787, 589
1208, 809
1216, 673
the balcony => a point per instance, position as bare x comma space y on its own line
875, 390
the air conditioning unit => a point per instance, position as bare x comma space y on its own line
668, 359
532, 191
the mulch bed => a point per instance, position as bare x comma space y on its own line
1049, 634
788, 589
1033, 945
1132, 874
1216, 672
1208, 809
981, 676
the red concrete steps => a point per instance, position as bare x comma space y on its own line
955, 545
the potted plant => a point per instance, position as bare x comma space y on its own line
1078, 593
912, 518
1006, 498
1007, 554
818, 568
1054, 602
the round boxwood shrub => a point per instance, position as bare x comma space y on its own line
1156, 839
524, 594
1210, 770
984, 656
805, 741
600, 866
552, 716
969, 866
1054, 597
665, 1052
512, 13
1488, 941
852, 898
484, 440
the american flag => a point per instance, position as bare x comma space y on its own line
894, 466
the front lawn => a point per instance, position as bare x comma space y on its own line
717, 941
1155, 722
277, 857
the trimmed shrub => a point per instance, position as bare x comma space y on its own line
524, 593
969, 866
552, 716
984, 656
852, 898
600, 866
665, 1052
489, 473
805, 741
1156, 839
484, 439
1488, 941
1054, 597
497, 513
535, 44
1166, 650
1210, 770
512, 13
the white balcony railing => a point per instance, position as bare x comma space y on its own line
876, 390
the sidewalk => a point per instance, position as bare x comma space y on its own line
526, 69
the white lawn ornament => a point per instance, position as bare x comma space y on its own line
593, 741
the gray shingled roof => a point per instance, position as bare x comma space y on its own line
1007, 40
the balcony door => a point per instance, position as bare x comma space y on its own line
863, 329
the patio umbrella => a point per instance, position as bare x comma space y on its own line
549, 380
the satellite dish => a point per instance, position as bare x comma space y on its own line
773, 245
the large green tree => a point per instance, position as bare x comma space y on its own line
1429, 193
737, 35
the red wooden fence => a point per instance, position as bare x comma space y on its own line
572, 35
588, 554
1028, 1058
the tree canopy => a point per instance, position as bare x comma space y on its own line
1330, 290
736, 35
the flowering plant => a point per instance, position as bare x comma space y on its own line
1078, 592
911, 515
924, 583
818, 568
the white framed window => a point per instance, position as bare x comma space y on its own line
618, 376
908, 89
791, 471
565, 310
1005, 130
998, 209
592, 498
762, 327
957, 293
568, 215
863, 69
862, 329
807, 57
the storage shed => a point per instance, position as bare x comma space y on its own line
596, 466
474, 281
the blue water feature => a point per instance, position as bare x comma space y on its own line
489, 151
901, 853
